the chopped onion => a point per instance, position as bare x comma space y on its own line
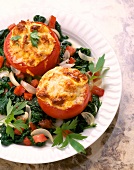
89, 118
28, 110
14, 70
28, 87
58, 122
42, 131
56, 32
66, 55
85, 57
12, 79
4, 74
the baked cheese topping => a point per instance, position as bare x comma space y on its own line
22, 50
62, 87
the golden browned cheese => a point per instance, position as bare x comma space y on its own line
23, 51
62, 87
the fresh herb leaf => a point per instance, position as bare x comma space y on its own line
59, 140
100, 63
9, 131
34, 38
77, 146
70, 125
15, 38
19, 124
9, 107
10, 121
17, 109
77, 136
59, 137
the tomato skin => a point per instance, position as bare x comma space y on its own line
68, 113
39, 138
98, 91
27, 141
10, 27
48, 63
1, 61
52, 22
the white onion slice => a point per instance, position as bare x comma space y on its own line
98, 82
64, 62
28, 110
12, 79
42, 131
28, 87
89, 118
58, 123
66, 55
4, 74
24, 116
67, 65
14, 70
56, 32
85, 57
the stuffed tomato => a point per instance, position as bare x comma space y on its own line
32, 47
63, 93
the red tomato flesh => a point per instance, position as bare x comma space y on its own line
27, 141
39, 138
19, 90
98, 91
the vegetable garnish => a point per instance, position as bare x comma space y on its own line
10, 121
15, 38
34, 38
51, 91
98, 68
66, 130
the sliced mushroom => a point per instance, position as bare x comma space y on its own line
58, 123
42, 131
89, 118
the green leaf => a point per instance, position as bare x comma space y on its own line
70, 125
34, 38
77, 136
15, 38
10, 118
9, 107
59, 137
76, 145
91, 67
10, 131
18, 124
100, 64
65, 143
17, 109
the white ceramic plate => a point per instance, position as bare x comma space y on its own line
86, 36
